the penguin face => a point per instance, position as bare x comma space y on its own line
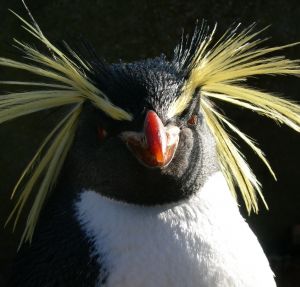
153, 159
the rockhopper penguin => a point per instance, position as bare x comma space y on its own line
141, 170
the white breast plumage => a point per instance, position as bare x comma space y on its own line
202, 241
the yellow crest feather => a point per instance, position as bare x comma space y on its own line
71, 87
219, 70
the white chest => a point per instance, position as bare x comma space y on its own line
200, 242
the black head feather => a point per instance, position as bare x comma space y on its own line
109, 167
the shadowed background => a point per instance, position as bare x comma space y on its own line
132, 30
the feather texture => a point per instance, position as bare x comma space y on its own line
218, 68
70, 86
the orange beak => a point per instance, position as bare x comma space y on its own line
157, 145
156, 136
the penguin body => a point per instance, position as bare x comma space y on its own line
202, 241
92, 234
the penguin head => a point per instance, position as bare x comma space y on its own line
157, 157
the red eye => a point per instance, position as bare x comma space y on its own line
193, 120
101, 133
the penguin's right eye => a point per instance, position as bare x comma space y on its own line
193, 120
101, 132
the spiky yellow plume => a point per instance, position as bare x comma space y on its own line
220, 69
69, 86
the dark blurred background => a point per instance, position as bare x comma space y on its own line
132, 30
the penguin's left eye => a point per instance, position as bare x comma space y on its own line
193, 120
101, 132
